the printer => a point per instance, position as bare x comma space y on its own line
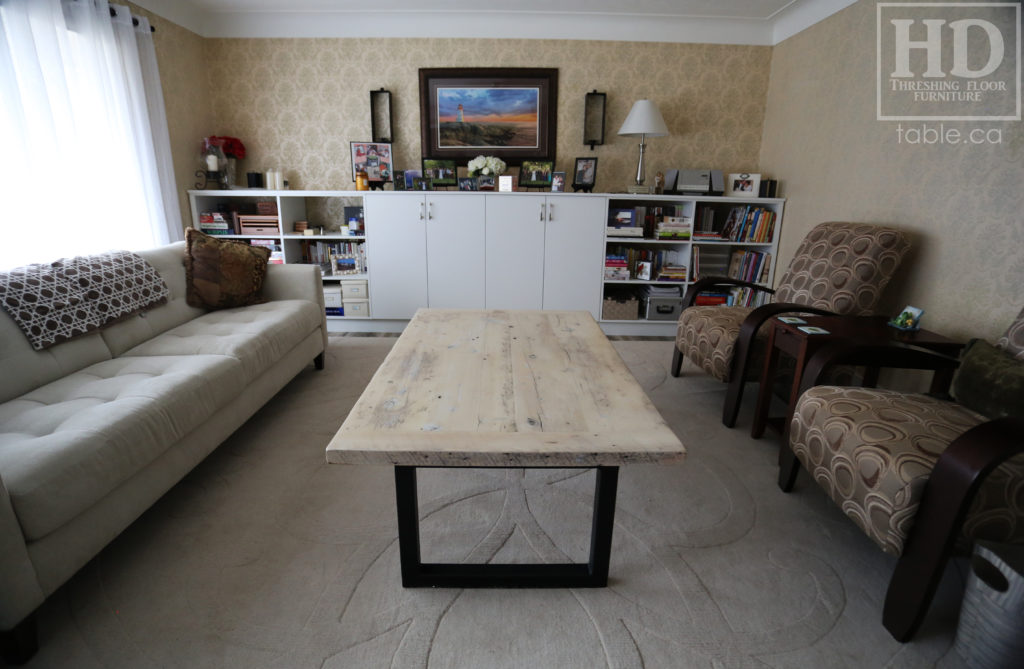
695, 182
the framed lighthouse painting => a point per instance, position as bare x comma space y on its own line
505, 112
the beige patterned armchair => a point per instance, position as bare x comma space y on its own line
839, 268
914, 472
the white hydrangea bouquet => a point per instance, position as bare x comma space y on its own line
486, 166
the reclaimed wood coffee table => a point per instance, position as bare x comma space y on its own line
512, 389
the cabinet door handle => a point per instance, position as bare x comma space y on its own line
422, 210
541, 218
551, 211
430, 212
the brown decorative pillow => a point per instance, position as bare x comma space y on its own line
221, 273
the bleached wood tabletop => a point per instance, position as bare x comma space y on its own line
467, 388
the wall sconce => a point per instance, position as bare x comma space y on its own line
593, 118
380, 116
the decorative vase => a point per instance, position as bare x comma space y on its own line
230, 172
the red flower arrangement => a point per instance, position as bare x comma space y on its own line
231, 146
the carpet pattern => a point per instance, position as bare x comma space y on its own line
264, 556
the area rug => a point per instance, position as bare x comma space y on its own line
265, 556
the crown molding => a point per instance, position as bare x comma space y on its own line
495, 24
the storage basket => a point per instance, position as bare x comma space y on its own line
621, 309
992, 615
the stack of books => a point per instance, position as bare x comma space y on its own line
672, 273
674, 227
616, 268
215, 223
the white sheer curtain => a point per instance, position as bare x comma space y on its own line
85, 163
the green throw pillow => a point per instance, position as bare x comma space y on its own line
990, 381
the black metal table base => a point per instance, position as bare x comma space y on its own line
594, 574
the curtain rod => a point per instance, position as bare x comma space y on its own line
135, 21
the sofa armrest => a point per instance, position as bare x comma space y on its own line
20, 592
296, 282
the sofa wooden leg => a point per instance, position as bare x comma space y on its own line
18, 645
318, 361
677, 361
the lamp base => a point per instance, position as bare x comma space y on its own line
640, 190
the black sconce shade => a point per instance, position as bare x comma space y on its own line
593, 118
380, 116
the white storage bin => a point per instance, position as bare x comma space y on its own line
357, 308
332, 296
992, 615
354, 289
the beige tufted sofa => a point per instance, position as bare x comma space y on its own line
95, 429
839, 268
917, 473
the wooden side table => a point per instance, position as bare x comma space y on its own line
788, 338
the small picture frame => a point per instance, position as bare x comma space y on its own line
410, 176
558, 182
908, 320
375, 158
420, 183
536, 173
585, 174
743, 185
505, 183
467, 183
399, 180
485, 182
440, 172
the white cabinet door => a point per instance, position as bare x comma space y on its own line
574, 252
396, 253
515, 251
455, 250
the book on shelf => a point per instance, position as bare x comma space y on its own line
711, 299
215, 223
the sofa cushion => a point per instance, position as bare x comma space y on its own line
873, 451
65, 445
257, 335
223, 273
169, 261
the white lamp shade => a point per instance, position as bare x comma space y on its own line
644, 119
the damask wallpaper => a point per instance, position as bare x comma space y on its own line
299, 102
962, 203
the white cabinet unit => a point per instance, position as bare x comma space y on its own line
455, 243
397, 253
564, 251
514, 252
574, 252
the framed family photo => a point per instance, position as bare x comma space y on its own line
536, 173
439, 172
374, 158
585, 174
743, 185
505, 112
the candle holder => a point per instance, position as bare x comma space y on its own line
211, 180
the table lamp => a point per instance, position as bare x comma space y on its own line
644, 120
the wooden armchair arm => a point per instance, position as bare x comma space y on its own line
708, 283
947, 497
891, 355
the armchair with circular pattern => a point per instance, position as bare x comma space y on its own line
918, 474
839, 268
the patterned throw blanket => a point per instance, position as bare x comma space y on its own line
72, 296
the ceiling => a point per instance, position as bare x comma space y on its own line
763, 22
